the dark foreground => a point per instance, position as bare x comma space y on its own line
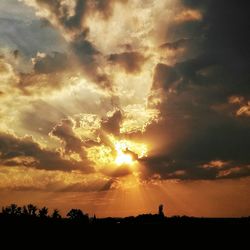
30, 222
152, 231
147, 219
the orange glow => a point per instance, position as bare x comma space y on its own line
123, 152
128, 152
122, 158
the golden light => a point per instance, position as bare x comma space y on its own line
124, 152
122, 158
129, 152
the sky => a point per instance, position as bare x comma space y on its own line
117, 106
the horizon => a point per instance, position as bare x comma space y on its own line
116, 106
49, 213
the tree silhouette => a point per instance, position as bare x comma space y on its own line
56, 214
75, 214
78, 215
30, 215
25, 211
12, 210
32, 210
43, 212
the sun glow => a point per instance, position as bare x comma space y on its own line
122, 153
129, 152
123, 158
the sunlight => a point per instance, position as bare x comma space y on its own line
122, 158
118, 153
128, 152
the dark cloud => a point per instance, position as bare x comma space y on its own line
130, 61
31, 83
16, 53
16, 151
112, 124
165, 76
55, 62
51, 183
71, 22
74, 24
71, 143
176, 44
199, 125
62, 12
105, 7
95, 186
84, 50
88, 57
235, 173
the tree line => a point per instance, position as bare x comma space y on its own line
32, 211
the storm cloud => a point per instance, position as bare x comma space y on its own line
199, 123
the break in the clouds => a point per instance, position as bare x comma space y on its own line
105, 91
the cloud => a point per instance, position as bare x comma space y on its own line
199, 80
235, 172
16, 53
188, 15
45, 64
7, 74
43, 115
38, 180
176, 45
16, 151
112, 123
65, 132
164, 76
244, 110
70, 18
95, 186
71, 15
131, 62
90, 59
203, 98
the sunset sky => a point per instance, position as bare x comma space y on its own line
117, 106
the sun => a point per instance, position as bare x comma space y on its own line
126, 154
120, 153
124, 159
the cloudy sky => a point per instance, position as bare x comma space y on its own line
116, 106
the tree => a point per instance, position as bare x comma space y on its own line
25, 211
12, 209
77, 214
32, 210
56, 214
43, 212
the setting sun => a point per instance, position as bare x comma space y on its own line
121, 152
123, 158
128, 152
